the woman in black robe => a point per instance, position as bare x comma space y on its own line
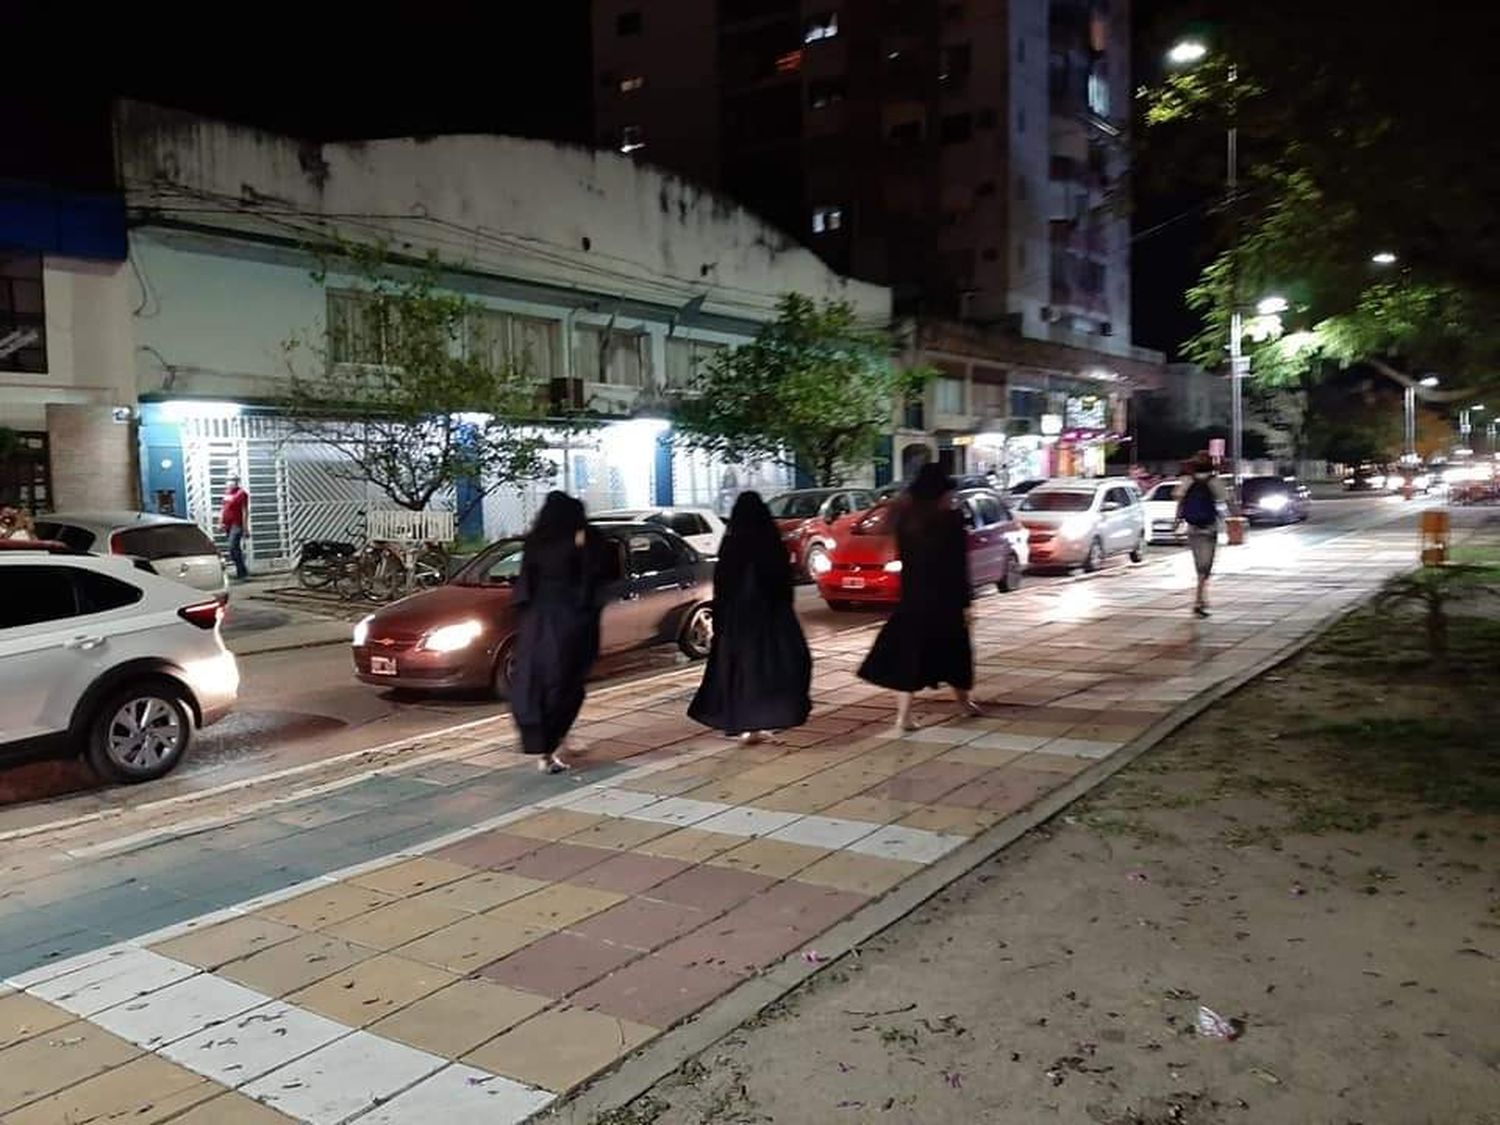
926, 641
759, 670
557, 639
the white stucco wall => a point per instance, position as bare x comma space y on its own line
532, 210
88, 344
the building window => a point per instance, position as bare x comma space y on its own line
826, 220
824, 92
615, 357
632, 84
632, 139
948, 396
687, 359
1098, 92
824, 25
629, 23
956, 128
954, 66
23, 323
361, 329
524, 343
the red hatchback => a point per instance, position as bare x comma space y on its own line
864, 569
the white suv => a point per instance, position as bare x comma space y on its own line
99, 656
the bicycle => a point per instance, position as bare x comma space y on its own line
322, 563
389, 570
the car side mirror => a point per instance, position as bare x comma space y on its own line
1111, 506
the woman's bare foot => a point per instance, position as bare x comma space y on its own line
553, 763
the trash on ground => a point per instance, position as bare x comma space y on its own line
1214, 1026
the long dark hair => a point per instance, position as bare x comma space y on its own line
553, 537
926, 500
752, 542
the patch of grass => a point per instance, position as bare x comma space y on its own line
1316, 818
902, 1035
1108, 822
1250, 835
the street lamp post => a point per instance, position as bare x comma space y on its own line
1409, 401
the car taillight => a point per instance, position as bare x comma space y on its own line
205, 615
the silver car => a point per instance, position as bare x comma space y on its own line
173, 548
1083, 522
99, 658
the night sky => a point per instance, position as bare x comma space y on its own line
458, 67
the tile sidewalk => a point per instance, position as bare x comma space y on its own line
464, 940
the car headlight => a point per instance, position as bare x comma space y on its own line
451, 638
820, 563
1075, 527
362, 630
1421, 481
892, 567
1274, 502
1377, 481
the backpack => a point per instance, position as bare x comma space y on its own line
1198, 507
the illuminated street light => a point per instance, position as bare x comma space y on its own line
1428, 380
1383, 258
1187, 52
1270, 306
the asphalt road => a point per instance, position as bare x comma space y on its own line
304, 705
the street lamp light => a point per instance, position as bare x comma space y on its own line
1187, 52
1409, 402
1383, 258
1270, 306
1428, 380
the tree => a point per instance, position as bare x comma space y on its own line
1357, 136
409, 387
812, 389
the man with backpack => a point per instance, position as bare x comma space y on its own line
1200, 495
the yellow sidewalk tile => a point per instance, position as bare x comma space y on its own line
371, 990
862, 874
325, 906
458, 1018
143, 1091
63, 1057
556, 907
228, 941
413, 876
24, 1017
560, 1048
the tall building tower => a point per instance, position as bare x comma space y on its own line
966, 152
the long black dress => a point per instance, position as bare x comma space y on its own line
557, 641
759, 672
926, 641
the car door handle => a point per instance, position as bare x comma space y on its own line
83, 643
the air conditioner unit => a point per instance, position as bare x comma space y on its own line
566, 394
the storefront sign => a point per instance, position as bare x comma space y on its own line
1087, 412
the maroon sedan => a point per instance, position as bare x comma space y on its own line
461, 636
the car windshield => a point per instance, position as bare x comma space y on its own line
876, 522
796, 505
1058, 500
498, 565
1257, 486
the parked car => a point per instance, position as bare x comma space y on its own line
805, 518
701, 527
1083, 522
864, 570
101, 658
1274, 500
1162, 525
174, 548
462, 636
1021, 488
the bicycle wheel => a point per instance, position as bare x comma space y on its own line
314, 573
382, 573
429, 568
347, 582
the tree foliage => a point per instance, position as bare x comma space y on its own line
813, 389
406, 386
1357, 135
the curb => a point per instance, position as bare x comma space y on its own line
640, 1071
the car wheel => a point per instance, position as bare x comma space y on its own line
1140, 550
815, 561
505, 670
1012, 580
697, 633
1095, 558
140, 733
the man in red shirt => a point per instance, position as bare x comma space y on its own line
235, 519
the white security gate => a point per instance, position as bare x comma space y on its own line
701, 480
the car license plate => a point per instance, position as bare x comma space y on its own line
382, 665
854, 583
